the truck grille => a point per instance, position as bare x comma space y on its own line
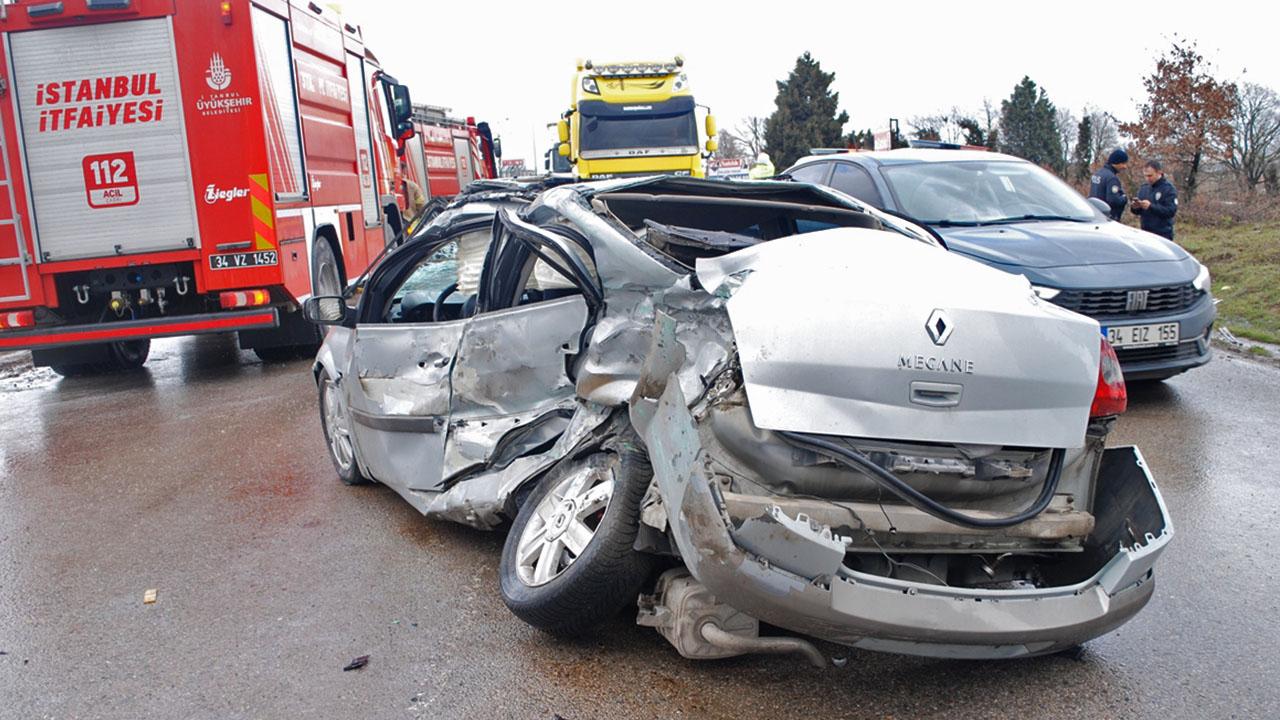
1181, 351
1102, 303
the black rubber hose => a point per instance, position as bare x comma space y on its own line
915, 498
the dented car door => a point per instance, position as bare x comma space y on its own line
511, 384
399, 388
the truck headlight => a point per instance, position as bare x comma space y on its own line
1045, 293
682, 82
1201, 282
589, 85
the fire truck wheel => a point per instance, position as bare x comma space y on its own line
337, 433
106, 358
129, 355
326, 276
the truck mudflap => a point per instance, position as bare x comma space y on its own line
67, 335
879, 613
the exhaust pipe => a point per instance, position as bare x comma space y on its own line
767, 645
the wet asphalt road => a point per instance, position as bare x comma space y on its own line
205, 478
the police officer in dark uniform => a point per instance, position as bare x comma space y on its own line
1106, 186
1157, 201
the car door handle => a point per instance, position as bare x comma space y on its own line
938, 395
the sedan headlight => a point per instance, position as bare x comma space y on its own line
589, 85
1045, 293
1201, 282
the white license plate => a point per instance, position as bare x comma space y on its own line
1135, 336
235, 261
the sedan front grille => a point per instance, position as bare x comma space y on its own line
1104, 303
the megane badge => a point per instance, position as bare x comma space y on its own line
939, 327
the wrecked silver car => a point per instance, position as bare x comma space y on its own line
736, 404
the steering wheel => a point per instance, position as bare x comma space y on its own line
435, 311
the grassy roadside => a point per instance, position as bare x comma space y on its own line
1244, 261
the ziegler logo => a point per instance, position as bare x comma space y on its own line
213, 194
218, 75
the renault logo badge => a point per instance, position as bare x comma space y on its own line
939, 327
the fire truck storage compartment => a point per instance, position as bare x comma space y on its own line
102, 131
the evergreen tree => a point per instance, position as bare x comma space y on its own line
1029, 126
805, 114
973, 133
1083, 160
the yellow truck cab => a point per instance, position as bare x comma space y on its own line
634, 118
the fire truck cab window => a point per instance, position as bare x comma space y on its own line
280, 104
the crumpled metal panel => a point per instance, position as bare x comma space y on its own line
832, 333
404, 370
623, 338
619, 261
867, 610
510, 369
480, 501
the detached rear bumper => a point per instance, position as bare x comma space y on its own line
67, 335
879, 613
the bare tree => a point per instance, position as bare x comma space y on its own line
1106, 136
1068, 130
1255, 137
730, 147
750, 134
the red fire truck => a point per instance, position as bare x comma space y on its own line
174, 167
446, 153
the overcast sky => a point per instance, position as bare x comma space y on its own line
511, 62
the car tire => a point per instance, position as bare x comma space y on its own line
542, 580
337, 433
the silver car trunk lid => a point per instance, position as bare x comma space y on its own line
864, 333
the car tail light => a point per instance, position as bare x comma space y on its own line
243, 298
1111, 397
16, 320
226, 12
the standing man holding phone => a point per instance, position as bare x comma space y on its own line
1157, 201
1106, 186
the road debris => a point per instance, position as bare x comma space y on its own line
149, 597
357, 663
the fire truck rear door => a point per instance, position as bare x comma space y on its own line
104, 144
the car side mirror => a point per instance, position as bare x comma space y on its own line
1100, 206
712, 145
562, 130
329, 310
563, 149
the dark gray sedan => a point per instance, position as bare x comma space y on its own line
1150, 296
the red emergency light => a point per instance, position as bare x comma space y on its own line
233, 299
17, 320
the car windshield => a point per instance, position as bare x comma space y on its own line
668, 128
983, 192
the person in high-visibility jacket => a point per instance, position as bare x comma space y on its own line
762, 168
